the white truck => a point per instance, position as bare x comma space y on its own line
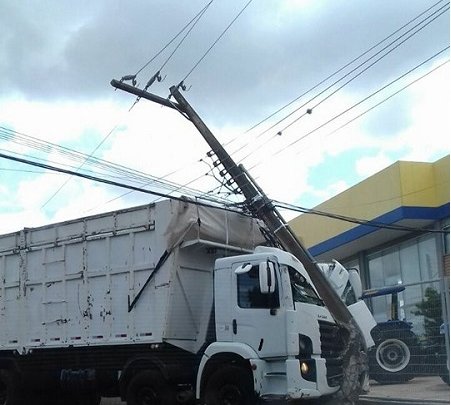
161, 304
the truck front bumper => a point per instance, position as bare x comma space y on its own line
283, 379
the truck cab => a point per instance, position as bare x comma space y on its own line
269, 314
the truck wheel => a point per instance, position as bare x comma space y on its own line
9, 388
230, 385
149, 388
391, 358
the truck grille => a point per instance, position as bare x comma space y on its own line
332, 346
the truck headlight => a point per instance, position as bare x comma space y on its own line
308, 369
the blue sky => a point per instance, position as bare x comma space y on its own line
57, 59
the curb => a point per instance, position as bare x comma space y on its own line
400, 401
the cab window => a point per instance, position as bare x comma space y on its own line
249, 295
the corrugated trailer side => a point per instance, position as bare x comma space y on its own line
70, 283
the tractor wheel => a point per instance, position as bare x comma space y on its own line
391, 358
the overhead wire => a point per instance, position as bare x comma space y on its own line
365, 222
157, 75
106, 181
107, 167
278, 204
360, 102
310, 110
433, 15
81, 165
386, 99
181, 84
172, 40
196, 18
363, 54
342, 68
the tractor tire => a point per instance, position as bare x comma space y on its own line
391, 359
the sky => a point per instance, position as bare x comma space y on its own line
57, 59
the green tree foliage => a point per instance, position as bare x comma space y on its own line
430, 308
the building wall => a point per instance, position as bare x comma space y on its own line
403, 184
414, 191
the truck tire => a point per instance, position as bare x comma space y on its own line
230, 385
10, 393
391, 358
149, 388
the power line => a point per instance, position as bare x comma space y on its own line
358, 103
105, 181
79, 167
371, 223
342, 68
310, 110
157, 75
133, 77
279, 204
105, 166
387, 98
213, 44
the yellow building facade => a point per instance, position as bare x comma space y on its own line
414, 195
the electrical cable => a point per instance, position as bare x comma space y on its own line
172, 40
105, 181
196, 20
442, 10
108, 167
386, 99
356, 104
371, 223
213, 44
79, 167
278, 204
310, 110
342, 68
157, 75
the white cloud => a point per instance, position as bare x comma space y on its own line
237, 85
369, 165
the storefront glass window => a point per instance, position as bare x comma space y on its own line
413, 264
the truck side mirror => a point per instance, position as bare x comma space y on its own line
267, 277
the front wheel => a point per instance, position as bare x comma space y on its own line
149, 388
230, 385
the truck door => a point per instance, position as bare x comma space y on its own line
258, 319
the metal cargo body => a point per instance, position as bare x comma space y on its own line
137, 275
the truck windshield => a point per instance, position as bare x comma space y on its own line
302, 290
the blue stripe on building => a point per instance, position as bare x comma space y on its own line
392, 217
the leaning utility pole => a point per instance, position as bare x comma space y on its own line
262, 207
